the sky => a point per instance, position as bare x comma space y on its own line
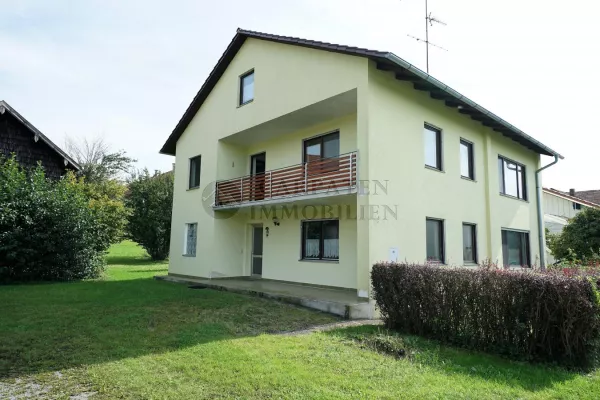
127, 70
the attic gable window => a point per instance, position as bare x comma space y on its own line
246, 88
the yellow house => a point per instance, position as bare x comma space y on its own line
306, 162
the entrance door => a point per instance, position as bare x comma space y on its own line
257, 249
257, 181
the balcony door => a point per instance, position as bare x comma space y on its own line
257, 176
321, 159
320, 147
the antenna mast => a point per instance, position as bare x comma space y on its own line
429, 20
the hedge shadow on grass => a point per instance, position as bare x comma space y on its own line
451, 360
57, 326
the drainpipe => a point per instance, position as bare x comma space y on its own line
540, 215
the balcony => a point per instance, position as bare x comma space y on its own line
317, 178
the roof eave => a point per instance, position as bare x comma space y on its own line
426, 82
541, 148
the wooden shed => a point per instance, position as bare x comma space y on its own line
20, 137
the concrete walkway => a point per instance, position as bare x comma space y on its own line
342, 302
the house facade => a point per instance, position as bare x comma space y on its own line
302, 161
30, 146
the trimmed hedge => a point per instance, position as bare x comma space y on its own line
523, 315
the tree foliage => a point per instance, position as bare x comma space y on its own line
98, 163
150, 199
49, 230
107, 200
580, 238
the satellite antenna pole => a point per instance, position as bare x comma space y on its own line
426, 37
429, 20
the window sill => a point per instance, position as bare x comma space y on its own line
319, 261
188, 255
513, 197
434, 169
243, 104
192, 188
466, 178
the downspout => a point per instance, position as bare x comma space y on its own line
540, 215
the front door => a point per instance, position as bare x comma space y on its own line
257, 249
257, 181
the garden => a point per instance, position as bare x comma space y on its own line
82, 316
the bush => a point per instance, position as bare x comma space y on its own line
523, 315
150, 199
107, 200
580, 238
48, 231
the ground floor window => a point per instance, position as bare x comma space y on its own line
469, 243
320, 240
435, 239
515, 248
191, 231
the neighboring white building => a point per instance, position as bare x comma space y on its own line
560, 206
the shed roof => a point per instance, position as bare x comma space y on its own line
4, 106
385, 60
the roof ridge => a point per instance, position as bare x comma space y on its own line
388, 61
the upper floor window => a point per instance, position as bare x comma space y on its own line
324, 146
576, 206
247, 87
194, 172
433, 147
467, 169
512, 178
515, 248
434, 239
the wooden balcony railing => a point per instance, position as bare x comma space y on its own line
328, 175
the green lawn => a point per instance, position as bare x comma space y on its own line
129, 336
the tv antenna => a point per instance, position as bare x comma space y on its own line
429, 21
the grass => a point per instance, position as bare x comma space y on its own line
129, 336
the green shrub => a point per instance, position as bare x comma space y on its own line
580, 238
523, 315
150, 199
48, 231
107, 200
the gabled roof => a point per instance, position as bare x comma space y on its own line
589, 195
386, 61
4, 106
574, 199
